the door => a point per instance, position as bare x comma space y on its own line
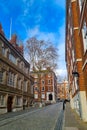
9, 103
50, 97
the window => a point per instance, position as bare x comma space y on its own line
36, 89
80, 4
49, 81
19, 84
11, 79
2, 101
73, 55
18, 101
43, 81
1, 77
21, 65
35, 82
43, 88
25, 86
12, 58
49, 75
43, 96
35, 76
84, 35
76, 83
3, 51
32, 89
35, 96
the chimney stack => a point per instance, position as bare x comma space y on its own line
13, 39
1, 30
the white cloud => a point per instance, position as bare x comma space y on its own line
61, 72
41, 35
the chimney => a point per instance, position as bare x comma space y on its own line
1, 30
13, 39
21, 49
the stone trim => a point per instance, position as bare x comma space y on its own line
84, 64
73, 0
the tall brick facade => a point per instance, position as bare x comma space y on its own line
45, 86
76, 54
63, 90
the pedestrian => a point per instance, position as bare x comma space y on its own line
64, 104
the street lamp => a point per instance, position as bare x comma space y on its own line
76, 76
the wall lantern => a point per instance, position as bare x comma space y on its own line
75, 74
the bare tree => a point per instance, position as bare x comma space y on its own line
42, 54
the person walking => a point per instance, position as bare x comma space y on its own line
64, 104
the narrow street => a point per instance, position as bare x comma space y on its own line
36, 119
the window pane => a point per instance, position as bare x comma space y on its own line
1, 77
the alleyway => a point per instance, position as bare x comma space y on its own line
46, 118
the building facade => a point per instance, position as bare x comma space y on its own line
63, 90
76, 54
45, 86
16, 85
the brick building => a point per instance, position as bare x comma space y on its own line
45, 86
63, 90
76, 54
16, 85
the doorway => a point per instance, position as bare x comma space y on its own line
50, 97
9, 104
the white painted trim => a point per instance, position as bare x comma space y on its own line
82, 13
75, 28
84, 64
79, 59
73, 0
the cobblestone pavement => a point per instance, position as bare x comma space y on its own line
39, 119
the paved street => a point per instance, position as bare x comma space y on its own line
39, 119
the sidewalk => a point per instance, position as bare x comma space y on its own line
72, 121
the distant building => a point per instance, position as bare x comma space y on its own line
63, 90
45, 86
16, 84
76, 54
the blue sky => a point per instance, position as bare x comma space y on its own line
44, 19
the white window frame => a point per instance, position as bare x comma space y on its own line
36, 96
84, 31
11, 79
43, 96
80, 4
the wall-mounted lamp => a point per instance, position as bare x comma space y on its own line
75, 74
